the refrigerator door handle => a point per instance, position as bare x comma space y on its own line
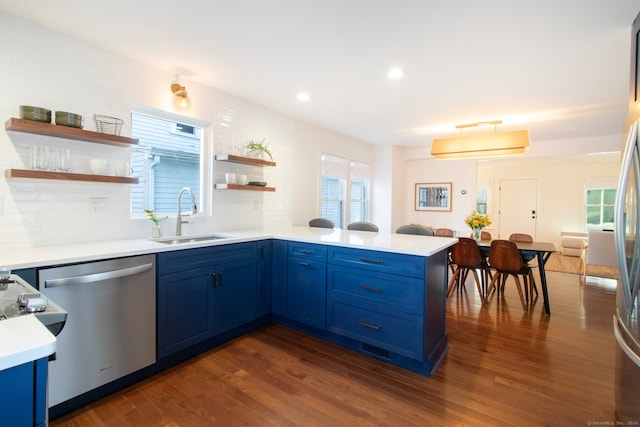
620, 229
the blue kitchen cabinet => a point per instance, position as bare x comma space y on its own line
185, 309
307, 284
235, 293
204, 292
265, 277
24, 400
390, 305
279, 277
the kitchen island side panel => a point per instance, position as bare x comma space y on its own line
435, 305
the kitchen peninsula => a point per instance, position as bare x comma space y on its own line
378, 293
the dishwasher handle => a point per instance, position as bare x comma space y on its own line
96, 277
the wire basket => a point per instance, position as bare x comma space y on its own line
106, 124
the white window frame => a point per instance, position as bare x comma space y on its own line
360, 172
335, 168
206, 155
348, 172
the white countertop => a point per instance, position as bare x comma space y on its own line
24, 339
80, 252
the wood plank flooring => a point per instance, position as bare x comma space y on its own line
504, 367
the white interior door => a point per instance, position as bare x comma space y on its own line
518, 207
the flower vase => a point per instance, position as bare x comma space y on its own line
156, 232
477, 233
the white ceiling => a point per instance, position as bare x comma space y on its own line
561, 67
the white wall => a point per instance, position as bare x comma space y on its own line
561, 185
308, 146
462, 176
50, 70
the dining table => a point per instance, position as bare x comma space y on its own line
542, 251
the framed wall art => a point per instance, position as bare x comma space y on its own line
433, 196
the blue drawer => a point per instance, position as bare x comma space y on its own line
308, 251
398, 332
382, 289
189, 259
385, 262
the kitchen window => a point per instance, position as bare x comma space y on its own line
166, 159
599, 208
360, 185
338, 176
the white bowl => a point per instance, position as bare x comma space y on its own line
100, 167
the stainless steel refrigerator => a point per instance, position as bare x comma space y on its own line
626, 324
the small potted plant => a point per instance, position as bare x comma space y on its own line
155, 231
258, 149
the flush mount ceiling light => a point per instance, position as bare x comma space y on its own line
395, 73
180, 99
481, 145
303, 97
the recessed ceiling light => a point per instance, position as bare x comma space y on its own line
303, 96
395, 73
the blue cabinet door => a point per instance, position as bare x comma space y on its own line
264, 278
203, 292
24, 397
307, 292
279, 278
235, 294
185, 309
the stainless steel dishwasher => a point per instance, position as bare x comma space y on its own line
111, 323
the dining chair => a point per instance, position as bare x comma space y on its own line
321, 223
362, 226
444, 232
466, 257
416, 229
505, 258
484, 235
528, 259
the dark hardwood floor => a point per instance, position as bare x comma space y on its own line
504, 367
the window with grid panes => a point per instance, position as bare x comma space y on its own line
599, 208
166, 159
332, 200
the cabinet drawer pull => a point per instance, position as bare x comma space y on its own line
369, 288
371, 261
368, 325
305, 264
306, 251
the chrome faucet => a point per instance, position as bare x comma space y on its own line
194, 209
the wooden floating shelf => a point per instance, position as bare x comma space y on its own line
242, 187
67, 176
58, 131
244, 160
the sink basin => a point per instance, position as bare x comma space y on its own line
175, 240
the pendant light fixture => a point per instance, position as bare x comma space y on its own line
481, 145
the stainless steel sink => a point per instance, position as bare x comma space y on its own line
175, 240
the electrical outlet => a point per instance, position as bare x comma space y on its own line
97, 204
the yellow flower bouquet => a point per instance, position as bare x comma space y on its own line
477, 222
